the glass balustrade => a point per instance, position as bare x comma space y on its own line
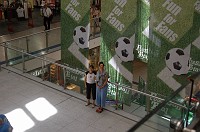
40, 42
176, 112
142, 103
30, 55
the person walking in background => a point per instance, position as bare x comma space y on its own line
95, 15
102, 86
5, 125
90, 85
46, 11
20, 13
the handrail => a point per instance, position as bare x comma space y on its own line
63, 66
149, 95
38, 33
161, 105
83, 73
194, 76
30, 35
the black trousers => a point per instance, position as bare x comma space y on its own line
89, 88
47, 23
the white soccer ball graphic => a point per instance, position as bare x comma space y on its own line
177, 61
124, 49
81, 37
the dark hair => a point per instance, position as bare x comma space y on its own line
91, 66
101, 63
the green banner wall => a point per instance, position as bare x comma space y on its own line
143, 30
75, 16
117, 43
195, 39
174, 48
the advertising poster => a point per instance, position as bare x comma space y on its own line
173, 50
117, 44
75, 16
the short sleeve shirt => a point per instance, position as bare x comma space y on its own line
47, 12
90, 77
101, 77
20, 12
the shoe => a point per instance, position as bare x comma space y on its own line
87, 104
101, 110
98, 110
93, 105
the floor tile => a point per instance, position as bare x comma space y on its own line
92, 129
90, 117
76, 126
105, 123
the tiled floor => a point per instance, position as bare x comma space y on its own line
33, 107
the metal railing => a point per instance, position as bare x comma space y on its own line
44, 60
24, 55
176, 124
46, 31
149, 95
45, 40
40, 58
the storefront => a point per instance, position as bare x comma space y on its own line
55, 74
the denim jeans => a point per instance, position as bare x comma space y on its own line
101, 96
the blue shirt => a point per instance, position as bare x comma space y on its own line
4, 127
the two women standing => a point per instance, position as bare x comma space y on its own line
99, 90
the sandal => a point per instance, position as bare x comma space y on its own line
101, 110
98, 110
93, 105
87, 104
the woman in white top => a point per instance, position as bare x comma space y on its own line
90, 85
20, 13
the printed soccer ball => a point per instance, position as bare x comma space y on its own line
124, 49
177, 61
81, 37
